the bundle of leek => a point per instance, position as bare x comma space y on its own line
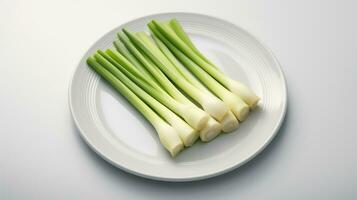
176, 88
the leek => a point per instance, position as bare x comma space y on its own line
229, 122
236, 104
187, 134
125, 52
234, 86
211, 129
167, 134
176, 26
194, 116
211, 104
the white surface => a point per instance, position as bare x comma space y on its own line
313, 156
119, 133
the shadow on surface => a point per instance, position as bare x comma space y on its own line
247, 169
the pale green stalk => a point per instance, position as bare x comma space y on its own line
211, 129
156, 73
234, 86
176, 26
239, 108
167, 134
194, 116
125, 52
229, 122
210, 103
178, 67
118, 57
187, 134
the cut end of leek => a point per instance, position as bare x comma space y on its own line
191, 138
176, 150
244, 92
229, 122
242, 113
169, 138
211, 130
254, 102
196, 117
215, 107
187, 134
239, 108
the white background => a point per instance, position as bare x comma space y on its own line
43, 157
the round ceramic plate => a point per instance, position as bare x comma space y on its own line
119, 134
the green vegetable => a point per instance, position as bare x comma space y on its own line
211, 129
234, 86
176, 26
187, 134
167, 134
229, 122
177, 89
121, 48
121, 60
210, 103
156, 73
194, 116
236, 104
177, 66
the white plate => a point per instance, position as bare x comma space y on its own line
118, 133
